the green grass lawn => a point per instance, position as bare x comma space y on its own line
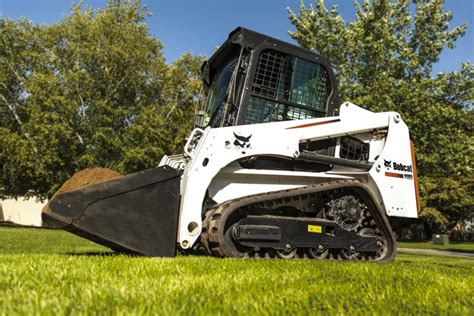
53, 272
460, 247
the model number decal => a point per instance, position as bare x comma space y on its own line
399, 175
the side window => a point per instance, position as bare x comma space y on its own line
217, 94
286, 87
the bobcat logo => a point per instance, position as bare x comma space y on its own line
242, 141
387, 163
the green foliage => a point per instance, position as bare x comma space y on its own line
53, 272
160, 128
91, 90
384, 61
453, 196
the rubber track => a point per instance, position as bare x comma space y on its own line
214, 241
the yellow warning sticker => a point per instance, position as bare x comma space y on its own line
315, 229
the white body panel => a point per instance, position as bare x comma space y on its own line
210, 163
235, 182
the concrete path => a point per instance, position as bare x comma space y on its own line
436, 252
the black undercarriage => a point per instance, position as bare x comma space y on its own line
336, 220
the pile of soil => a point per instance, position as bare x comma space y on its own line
84, 178
88, 177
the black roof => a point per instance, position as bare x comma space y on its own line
242, 37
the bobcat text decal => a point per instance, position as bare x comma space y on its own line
396, 166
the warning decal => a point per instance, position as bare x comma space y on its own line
315, 229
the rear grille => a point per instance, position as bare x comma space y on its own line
354, 149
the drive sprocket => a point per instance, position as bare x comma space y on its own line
347, 211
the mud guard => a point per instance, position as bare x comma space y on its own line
137, 213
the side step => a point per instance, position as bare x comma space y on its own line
137, 213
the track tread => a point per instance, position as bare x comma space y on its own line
214, 240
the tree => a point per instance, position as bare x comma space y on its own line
384, 60
91, 90
161, 128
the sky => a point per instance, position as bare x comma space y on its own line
199, 26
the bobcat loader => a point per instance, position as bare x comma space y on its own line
276, 167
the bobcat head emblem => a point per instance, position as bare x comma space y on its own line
387, 163
242, 141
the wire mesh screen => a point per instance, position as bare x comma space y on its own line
273, 75
263, 111
299, 88
352, 148
310, 85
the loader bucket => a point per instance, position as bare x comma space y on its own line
137, 213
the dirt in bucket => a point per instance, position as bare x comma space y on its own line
84, 178
88, 177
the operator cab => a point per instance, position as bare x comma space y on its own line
253, 78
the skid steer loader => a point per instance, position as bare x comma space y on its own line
276, 167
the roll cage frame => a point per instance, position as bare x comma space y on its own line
249, 45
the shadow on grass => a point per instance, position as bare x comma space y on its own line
98, 254
129, 254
